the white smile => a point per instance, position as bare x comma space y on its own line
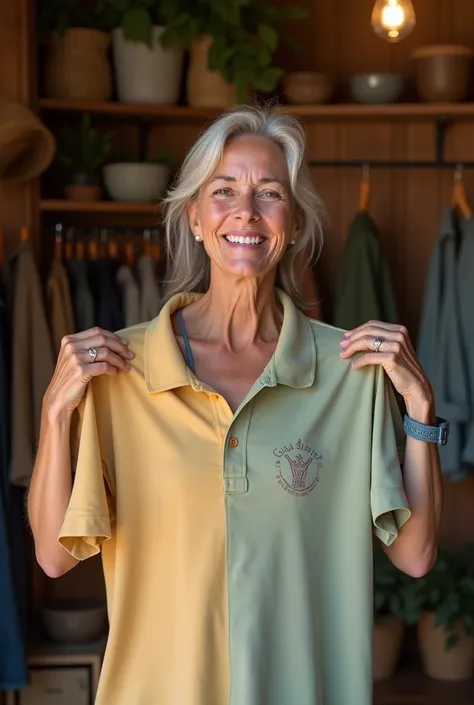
243, 240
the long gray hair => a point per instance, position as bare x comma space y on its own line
189, 265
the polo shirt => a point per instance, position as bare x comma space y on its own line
236, 547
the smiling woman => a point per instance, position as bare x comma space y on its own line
232, 463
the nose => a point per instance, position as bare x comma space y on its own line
247, 211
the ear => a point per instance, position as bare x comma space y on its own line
297, 225
193, 218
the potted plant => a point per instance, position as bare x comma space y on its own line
232, 45
82, 151
77, 66
138, 182
148, 62
446, 628
395, 605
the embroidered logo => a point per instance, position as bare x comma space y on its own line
297, 467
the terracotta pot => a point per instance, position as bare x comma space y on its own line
387, 645
454, 665
87, 192
443, 72
77, 66
205, 88
307, 87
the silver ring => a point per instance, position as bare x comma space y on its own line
92, 353
377, 343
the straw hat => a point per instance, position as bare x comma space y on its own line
26, 146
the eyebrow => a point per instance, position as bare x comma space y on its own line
265, 180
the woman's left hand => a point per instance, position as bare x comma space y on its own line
397, 357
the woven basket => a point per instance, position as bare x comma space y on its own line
26, 146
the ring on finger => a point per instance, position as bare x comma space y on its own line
377, 343
92, 354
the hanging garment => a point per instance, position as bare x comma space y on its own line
150, 296
82, 300
440, 343
106, 293
130, 295
60, 313
364, 288
13, 664
465, 283
32, 362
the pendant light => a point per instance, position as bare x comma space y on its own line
393, 20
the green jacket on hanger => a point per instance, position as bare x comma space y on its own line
364, 288
440, 343
465, 279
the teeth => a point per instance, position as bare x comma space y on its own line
241, 240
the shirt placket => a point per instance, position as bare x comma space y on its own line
235, 454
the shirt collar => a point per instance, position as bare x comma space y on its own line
293, 363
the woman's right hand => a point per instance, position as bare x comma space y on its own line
75, 367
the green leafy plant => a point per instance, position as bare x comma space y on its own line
83, 149
245, 33
448, 591
395, 593
60, 15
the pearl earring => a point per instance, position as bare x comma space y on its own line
198, 238
293, 242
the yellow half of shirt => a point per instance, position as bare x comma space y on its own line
237, 547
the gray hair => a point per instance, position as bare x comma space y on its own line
189, 265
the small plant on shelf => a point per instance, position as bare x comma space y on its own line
82, 151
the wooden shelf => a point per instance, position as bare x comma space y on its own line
343, 111
64, 206
412, 687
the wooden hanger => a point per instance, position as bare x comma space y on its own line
364, 195
24, 234
2, 247
129, 253
112, 249
93, 249
459, 198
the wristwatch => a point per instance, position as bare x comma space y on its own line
430, 434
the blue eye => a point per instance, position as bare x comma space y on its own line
271, 194
222, 192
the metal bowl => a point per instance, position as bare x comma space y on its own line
376, 87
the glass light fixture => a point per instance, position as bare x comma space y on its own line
393, 20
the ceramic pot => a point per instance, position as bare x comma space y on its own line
147, 74
443, 72
77, 67
205, 88
454, 665
307, 87
387, 645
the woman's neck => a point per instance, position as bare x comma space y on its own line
238, 313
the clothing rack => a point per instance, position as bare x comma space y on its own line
441, 126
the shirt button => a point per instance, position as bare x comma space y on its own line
233, 442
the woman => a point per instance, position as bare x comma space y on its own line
232, 455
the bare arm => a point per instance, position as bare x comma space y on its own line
51, 483
415, 549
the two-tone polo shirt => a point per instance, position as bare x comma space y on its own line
237, 547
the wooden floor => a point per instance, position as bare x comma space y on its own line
410, 687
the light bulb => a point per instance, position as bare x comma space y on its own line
393, 20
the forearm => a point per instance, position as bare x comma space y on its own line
414, 551
50, 492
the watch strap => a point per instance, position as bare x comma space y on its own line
430, 434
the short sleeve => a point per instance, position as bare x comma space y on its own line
87, 523
389, 504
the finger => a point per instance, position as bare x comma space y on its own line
96, 369
373, 359
107, 355
100, 340
372, 332
382, 325
367, 342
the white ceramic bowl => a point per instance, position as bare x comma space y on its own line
75, 620
135, 183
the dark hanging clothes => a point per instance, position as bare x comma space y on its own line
106, 292
465, 284
13, 580
364, 288
82, 301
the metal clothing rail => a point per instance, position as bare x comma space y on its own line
438, 162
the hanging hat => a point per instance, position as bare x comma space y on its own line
26, 146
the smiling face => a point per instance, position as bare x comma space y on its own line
245, 214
